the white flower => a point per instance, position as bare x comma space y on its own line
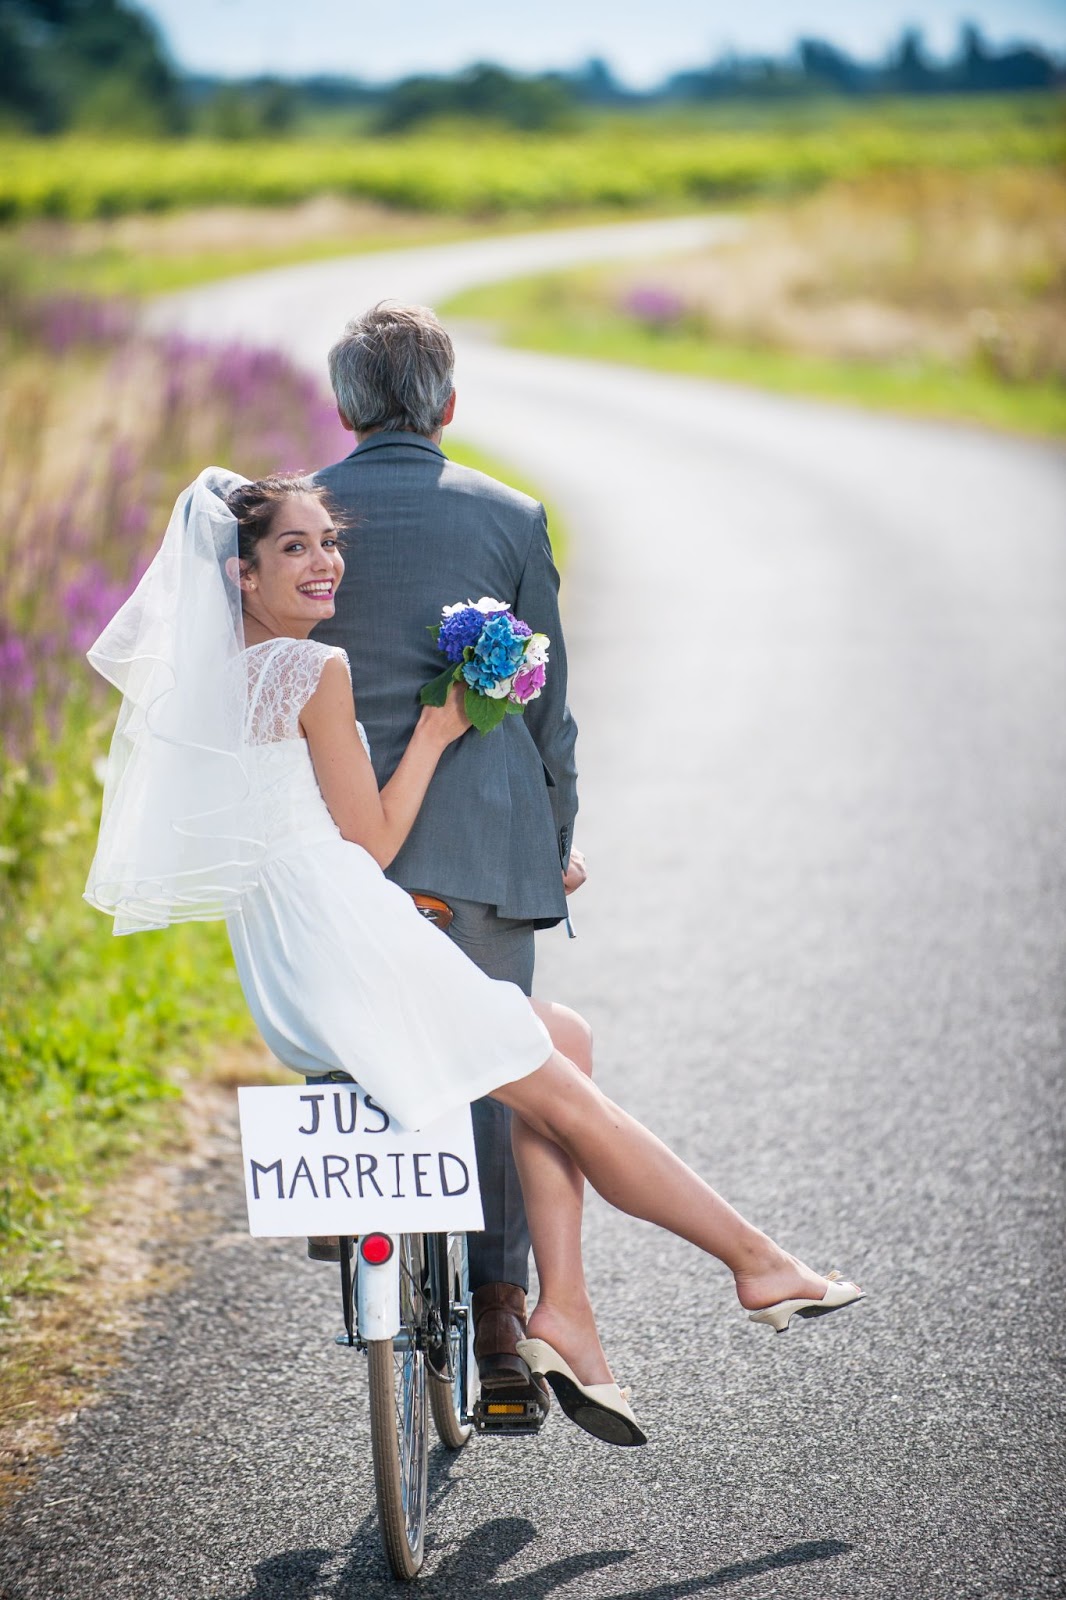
536, 651
485, 604
499, 691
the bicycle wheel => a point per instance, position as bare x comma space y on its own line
451, 1398
398, 1418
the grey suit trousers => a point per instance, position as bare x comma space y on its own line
503, 948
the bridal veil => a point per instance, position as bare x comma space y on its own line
180, 839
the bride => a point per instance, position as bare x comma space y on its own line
239, 786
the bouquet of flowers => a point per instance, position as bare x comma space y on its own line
499, 658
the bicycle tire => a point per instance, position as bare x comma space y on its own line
450, 1399
398, 1428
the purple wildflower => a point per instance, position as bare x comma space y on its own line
655, 306
17, 678
89, 602
65, 321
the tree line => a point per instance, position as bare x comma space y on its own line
101, 65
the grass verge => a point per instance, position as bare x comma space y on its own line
96, 1031
540, 314
137, 1244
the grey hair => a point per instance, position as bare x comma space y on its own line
392, 369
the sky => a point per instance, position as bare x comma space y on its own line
642, 41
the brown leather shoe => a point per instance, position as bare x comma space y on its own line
499, 1322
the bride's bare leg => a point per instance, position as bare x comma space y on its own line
636, 1172
553, 1189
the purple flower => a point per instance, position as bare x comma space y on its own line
89, 602
134, 521
653, 305
459, 631
123, 460
17, 678
63, 321
527, 684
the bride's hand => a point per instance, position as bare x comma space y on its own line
449, 721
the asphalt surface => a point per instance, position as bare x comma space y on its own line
819, 665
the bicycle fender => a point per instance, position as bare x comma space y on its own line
377, 1291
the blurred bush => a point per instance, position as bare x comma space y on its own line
484, 93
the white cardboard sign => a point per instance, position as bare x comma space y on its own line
325, 1159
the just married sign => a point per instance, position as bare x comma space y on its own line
326, 1159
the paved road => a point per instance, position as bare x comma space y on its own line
820, 668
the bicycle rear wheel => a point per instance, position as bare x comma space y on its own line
398, 1428
452, 1396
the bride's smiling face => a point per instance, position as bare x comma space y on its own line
297, 571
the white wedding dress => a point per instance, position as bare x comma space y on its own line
339, 969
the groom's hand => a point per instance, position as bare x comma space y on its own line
575, 874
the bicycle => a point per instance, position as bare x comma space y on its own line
407, 1306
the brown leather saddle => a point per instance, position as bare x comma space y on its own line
435, 910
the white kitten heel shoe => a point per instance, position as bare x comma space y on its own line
600, 1408
840, 1293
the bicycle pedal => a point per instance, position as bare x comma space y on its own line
507, 1416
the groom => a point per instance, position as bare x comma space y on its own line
493, 836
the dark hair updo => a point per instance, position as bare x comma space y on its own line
255, 504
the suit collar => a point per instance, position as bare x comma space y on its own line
413, 441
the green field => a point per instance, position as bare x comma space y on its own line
475, 172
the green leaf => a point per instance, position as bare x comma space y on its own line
484, 713
434, 629
512, 709
435, 692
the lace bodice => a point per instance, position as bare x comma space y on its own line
283, 674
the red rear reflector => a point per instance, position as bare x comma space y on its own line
375, 1248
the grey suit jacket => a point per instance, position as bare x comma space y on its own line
497, 822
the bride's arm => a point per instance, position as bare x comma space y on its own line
380, 822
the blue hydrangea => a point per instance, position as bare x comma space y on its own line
458, 631
500, 646
480, 677
496, 654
